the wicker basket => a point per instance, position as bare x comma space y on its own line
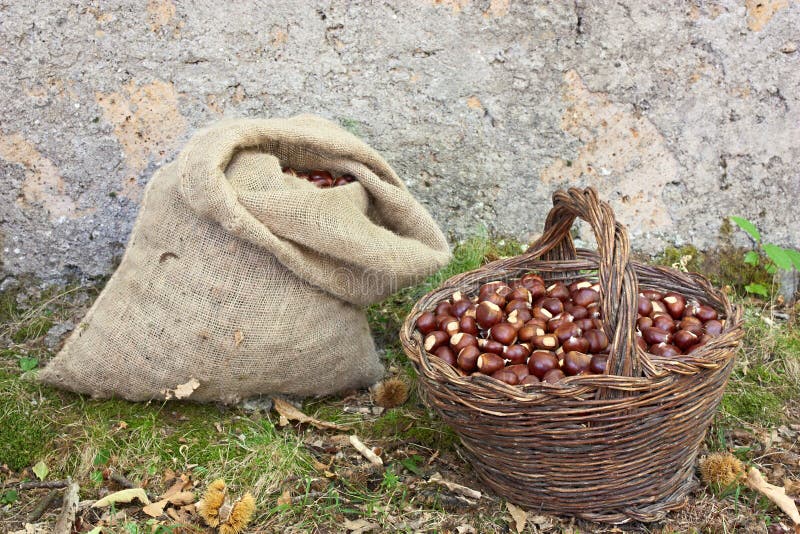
608, 448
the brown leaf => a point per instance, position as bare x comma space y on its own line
181, 499
181, 484
519, 515
285, 498
155, 509
291, 413
792, 487
776, 494
182, 390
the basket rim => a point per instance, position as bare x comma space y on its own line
659, 372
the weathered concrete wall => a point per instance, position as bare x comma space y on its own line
680, 113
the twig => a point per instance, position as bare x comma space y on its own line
42, 484
42, 506
127, 484
69, 507
365, 451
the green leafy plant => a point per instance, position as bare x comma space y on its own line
777, 257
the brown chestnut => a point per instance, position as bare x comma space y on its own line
675, 304
598, 341
579, 284
504, 333
559, 320
692, 324
488, 363
516, 353
495, 298
705, 313
530, 379
340, 181
460, 307
490, 345
468, 325
664, 322
520, 315
426, 323
516, 305
566, 330
558, 291
547, 342
522, 294
584, 297
713, 327
527, 332
652, 294
468, 358
641, 343
575, 362
585, 324
540, 362
488, 314
666, 350
553, 376
461, 340
446, 353
577, 312
594, 310
435, 339
488, 288
658, 308
644, 322
444, 308
504, 375
541, 313
531, 279
519, 369
655, 335
552, 305
598, 364
684, 339
579, 344
645, 306
443, 319
320, 175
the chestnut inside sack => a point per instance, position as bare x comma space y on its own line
588, 379
249, 280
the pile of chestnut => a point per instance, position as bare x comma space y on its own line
525, 332
321, 179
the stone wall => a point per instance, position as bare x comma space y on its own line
679, 112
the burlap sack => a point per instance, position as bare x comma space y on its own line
251, 281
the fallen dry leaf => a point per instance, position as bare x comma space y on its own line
776, 494
455, 488
359, 525
183, 483
519, 515
181, 499
126, 495
285, 498
792, 487
290, 413
182, 391
155, 509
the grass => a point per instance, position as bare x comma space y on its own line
87, 439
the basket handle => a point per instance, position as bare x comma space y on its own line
619, 286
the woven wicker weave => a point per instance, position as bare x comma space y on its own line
608, 448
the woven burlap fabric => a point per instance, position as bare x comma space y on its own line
249, 280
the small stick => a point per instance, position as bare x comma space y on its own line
365, 451
69, 507
40, 484
42, 506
